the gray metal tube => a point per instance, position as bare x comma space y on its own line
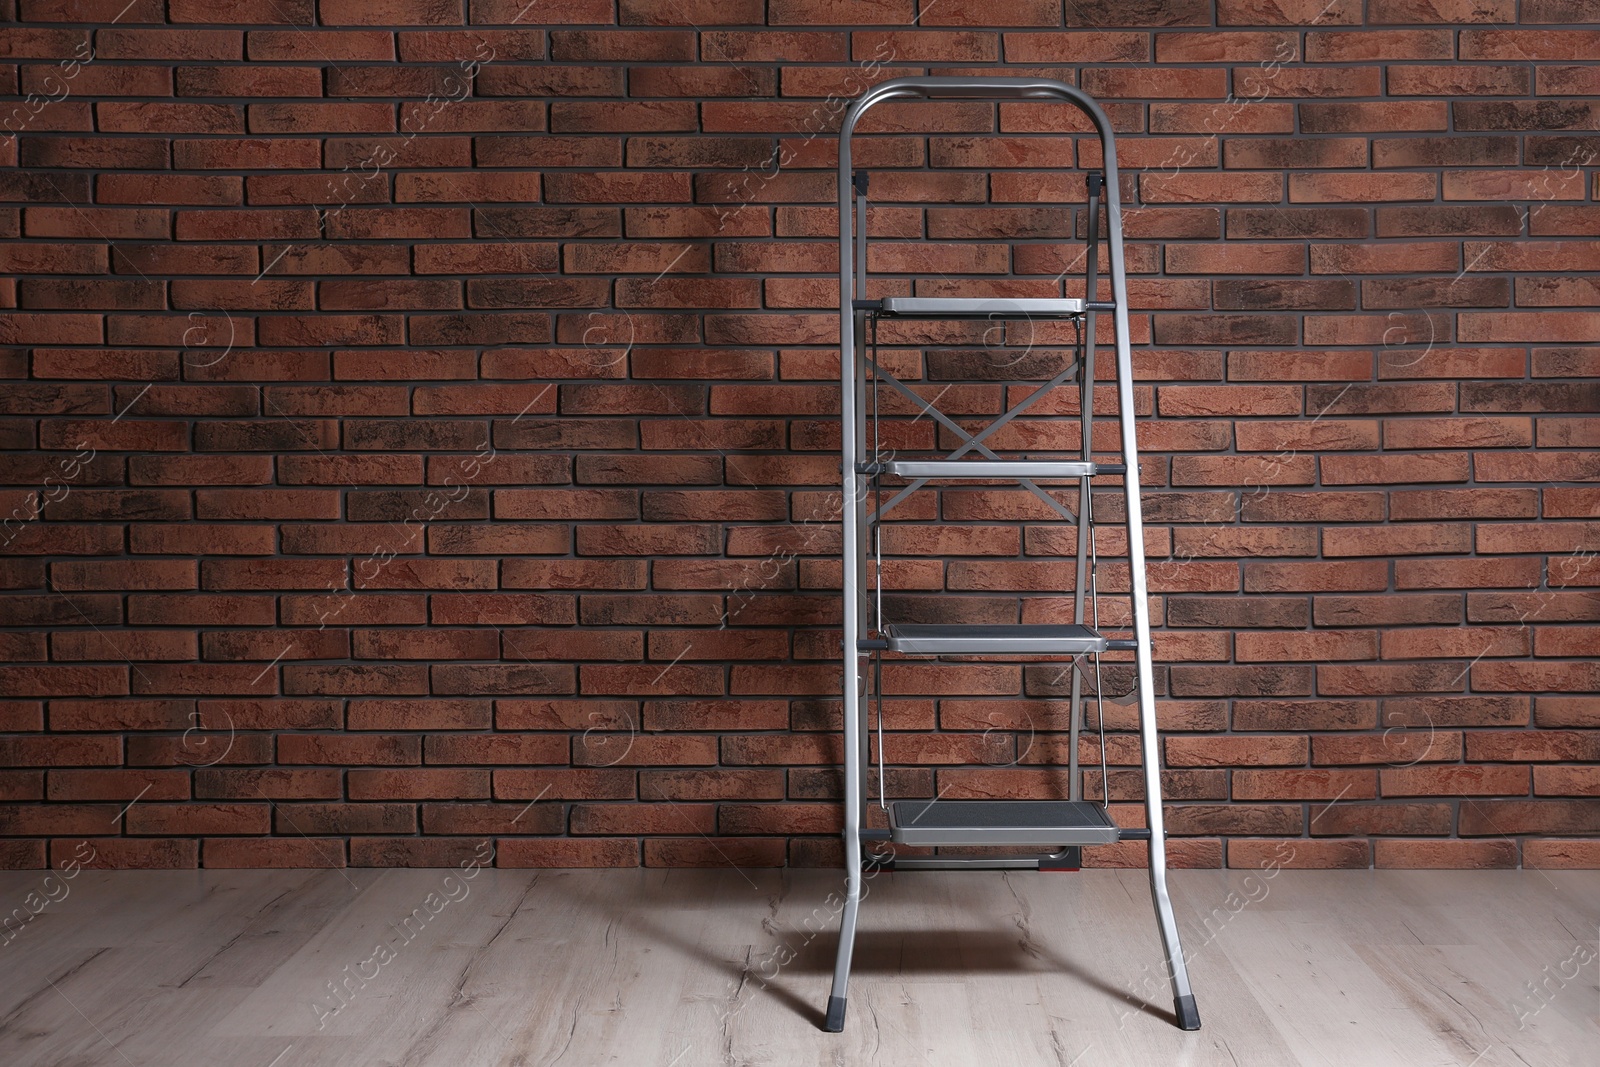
1139, 590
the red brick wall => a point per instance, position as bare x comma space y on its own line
419, 426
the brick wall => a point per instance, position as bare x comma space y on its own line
419, 425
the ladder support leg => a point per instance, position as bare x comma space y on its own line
1183, 1005
834, 1022
852, 442
1188, 1016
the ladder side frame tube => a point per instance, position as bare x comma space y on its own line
1183, 997
851, 522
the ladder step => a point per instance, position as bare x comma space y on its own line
1001, 822
1026, 468
939, 639
944, 307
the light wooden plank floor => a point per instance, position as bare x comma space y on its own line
681, 968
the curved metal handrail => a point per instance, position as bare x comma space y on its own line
935, 88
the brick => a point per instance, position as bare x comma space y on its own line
237, 852
1463, 80
1231, 258
1285, 13
1231, 47
563, 852
1566, 781
1305, 647
1441, 11
626, 45
1333, 188
1403, 818
1297, 82
1346, 46
563, 784
1463, 151
417, 784
1558, 854
1528, 44
714, 852
189, 44
1236, 751
1448, 855
1414, 539
1242, 187
1329, 785
1468, 503
1241, 681
1528, 816
1297, 854
1272, 152
197, 818
1170, 83
1379, 116
326, 46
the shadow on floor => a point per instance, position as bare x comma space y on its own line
953, 952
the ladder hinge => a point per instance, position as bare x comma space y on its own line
1097, 182
859, 181
870, 644
866, 305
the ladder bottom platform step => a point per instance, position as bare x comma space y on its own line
1024, 638
1001, 822
938, 307
1000, 468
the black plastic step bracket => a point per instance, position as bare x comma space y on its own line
1072, 861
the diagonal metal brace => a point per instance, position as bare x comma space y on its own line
972, 442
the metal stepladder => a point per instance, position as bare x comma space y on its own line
1067, 824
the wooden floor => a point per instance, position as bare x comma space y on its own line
681, 968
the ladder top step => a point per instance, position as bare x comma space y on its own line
939, 307
938, 639
1027, 468
1001, 822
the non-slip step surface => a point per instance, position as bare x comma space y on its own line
1001, 822
939, 307
935, 639
998, 468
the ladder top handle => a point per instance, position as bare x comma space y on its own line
986, 89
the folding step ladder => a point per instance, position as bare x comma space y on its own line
1066, 824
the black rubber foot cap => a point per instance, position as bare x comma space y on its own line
835, 1023
1072, 860
1188, 1013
